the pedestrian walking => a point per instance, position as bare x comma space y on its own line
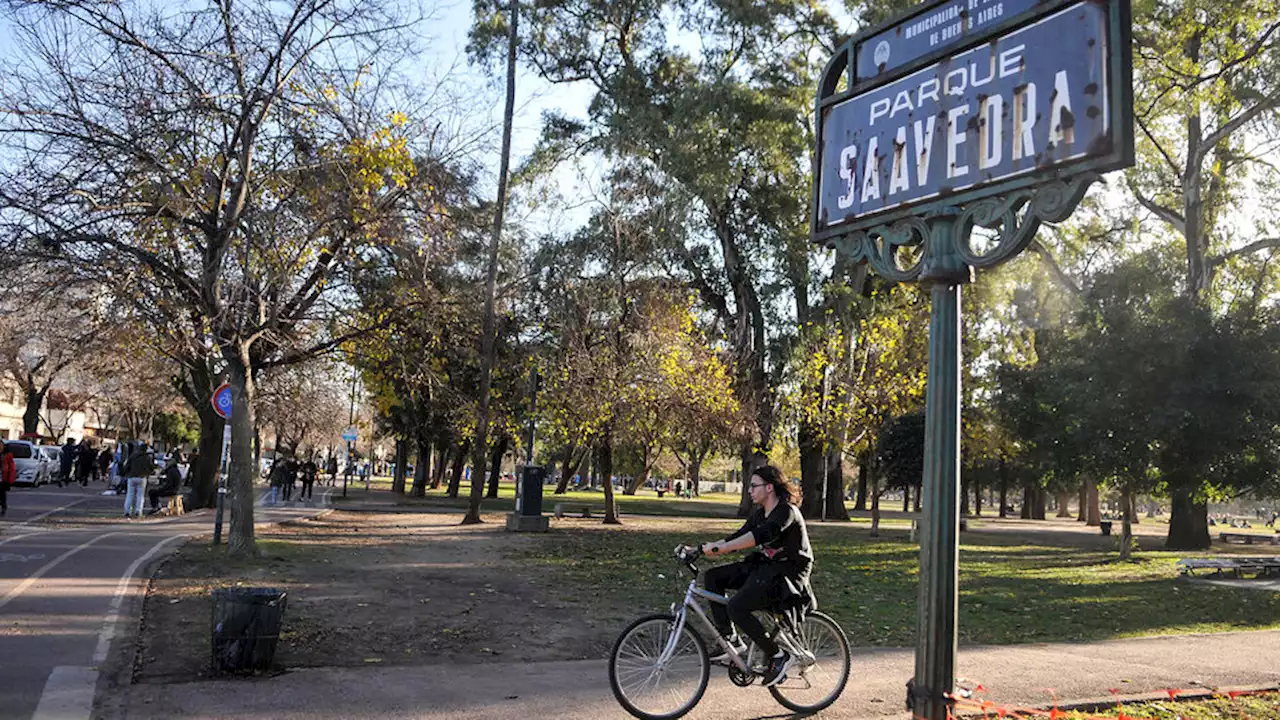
104, 465
8, 476
86, 462
66, 459
290, 478
309, 472
277, 479
333, 471
136, 471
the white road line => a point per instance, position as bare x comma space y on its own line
68, 694
27, 535
44, 515
22, 587
113, 614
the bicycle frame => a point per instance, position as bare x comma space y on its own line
694, 592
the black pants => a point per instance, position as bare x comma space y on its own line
757, 585
307, 486
156, 494
288, 490
4, 497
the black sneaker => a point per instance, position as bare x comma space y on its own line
778, 668
722, 656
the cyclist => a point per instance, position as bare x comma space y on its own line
761, 580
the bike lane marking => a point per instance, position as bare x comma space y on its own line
31, 579
122, 588
68, 694
44, 515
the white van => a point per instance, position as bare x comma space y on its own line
33, 467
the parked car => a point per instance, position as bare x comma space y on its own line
52, 462
32, 466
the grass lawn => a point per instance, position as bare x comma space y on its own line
1015, 587
645, 502
1264, 706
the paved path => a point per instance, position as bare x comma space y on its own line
1015, 676
68, 574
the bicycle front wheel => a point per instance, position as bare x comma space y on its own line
655, 674
821, 671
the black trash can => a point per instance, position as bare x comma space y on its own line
246, 627
1105, 526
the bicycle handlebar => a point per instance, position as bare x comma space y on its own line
688, 555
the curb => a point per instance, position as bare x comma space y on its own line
1111, 703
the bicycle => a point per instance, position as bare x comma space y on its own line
659, 667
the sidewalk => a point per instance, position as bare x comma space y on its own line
1013, 676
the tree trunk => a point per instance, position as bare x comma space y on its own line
438, 469
860, 503
750, 461
565, 474
1131, 506
1026, 502
203, 473
1064, 505
604, 463
240, 539
977, 499
495, 466
1038, 495
459, 462
906, 498
1082, 514
31, 413
875, 506
916, 498
402, 459
423, 469
695, 470
487, 339
1094, 515
835, 486
1126, 532
964, 497
811, 457
1004, 490
1188, 523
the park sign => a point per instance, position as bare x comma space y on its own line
967, 99
962, 114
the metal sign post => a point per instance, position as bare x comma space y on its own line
963, 113
222, 405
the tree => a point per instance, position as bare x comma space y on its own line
726, 132
1206, 101
229, 164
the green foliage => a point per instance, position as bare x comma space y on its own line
175, 428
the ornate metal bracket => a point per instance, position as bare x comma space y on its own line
900, 251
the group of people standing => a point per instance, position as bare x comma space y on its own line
286, 472
82, 462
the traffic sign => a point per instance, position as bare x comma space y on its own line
222, 400
350, 434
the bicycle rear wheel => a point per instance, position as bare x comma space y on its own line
652, 683
820, 673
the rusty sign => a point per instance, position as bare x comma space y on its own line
1035, 97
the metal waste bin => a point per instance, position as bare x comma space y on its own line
246, 627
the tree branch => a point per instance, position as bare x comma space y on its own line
1252, 247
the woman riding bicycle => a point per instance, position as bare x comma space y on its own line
767, 577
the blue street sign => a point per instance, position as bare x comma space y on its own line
222, 400
1034, 98
349, 434
931, 30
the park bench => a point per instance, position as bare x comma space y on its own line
579, 509
1249, 538
1260, 566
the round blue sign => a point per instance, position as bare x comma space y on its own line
222, 401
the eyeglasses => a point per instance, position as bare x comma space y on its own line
755, 486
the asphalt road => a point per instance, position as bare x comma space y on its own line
69, 564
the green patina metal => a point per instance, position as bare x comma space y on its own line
932, 242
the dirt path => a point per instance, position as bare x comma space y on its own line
455, 595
